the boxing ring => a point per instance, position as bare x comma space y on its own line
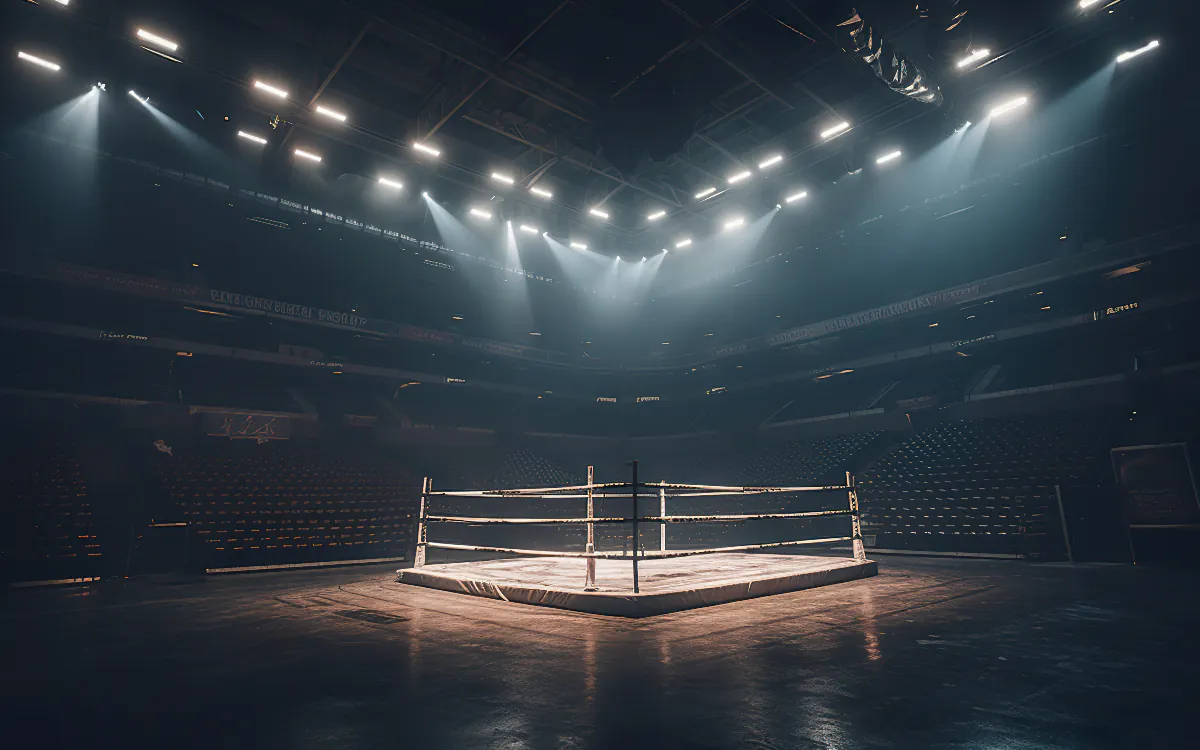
609, 582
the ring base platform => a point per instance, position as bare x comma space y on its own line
669, 585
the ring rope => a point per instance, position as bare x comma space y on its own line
704, 490
648, 519
647, 555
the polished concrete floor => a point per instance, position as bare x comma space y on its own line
929, 654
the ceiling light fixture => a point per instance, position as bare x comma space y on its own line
656, 215
733, 180
841, 127
579, 246
481, 213
528, 229
974, 57
143, 99
1009, 106
270, 89
503, 178
307, 155
426, 149
771, 161
543, 193
331, 113
1134, 53
38, 61
390, 183
243, 134
705, 193
156, 39
683, 243
888, 157
735, 223
796, 196
598, 212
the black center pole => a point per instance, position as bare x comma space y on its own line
635, 527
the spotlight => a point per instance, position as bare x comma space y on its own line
427, 149
38, 61
735, 179
887, 157
1132, 53
1009, 106
331, 113
643, 258
64, 2
656, 215
771, 161
705, 193
796, 196
579, 246
391, 183
683, 243
502, 178
485, 215
540, 192
664, 251
142, 99
963, 127
974, 57
1085, 4
241, 133
307, 155
598, 212
157, 40
100, 85
424, 193
841, 127
270, 89
529, 229
734, 223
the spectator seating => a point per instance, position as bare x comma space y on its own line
983, 486
48, 530
278, 503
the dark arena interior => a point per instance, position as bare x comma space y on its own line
599, 374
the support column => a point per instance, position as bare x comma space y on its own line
589, 583
419, 557
860, 554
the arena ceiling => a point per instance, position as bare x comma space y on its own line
630, 108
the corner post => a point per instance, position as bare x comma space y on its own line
662, 513
860, 554
635, 526
589, 583
422, 531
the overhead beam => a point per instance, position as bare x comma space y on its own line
491, 75
341, 61
470, 61
689, 41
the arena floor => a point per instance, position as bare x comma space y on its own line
928, 654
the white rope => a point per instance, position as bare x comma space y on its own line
624, 556
477, 519
704, 490
739, 548
649, 519
528, 490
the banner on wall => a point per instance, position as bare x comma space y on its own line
1157, 485
924, 303
240, 426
